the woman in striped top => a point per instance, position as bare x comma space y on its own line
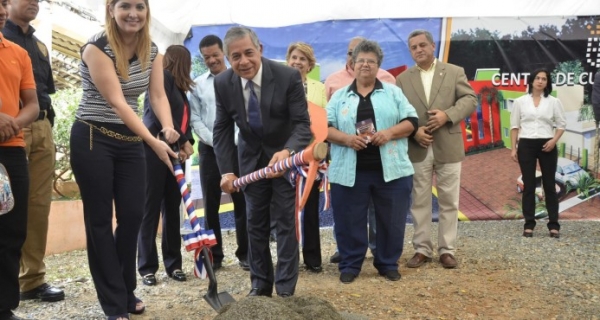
107, 153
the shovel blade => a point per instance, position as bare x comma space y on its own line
218, 301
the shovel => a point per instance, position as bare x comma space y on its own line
199, 240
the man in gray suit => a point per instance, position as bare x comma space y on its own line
442, 97
267, 102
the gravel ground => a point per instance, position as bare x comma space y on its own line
501, 275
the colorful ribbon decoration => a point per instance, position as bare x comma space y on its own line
194, 238
298, 177
311, 155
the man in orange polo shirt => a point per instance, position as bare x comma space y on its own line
17, 87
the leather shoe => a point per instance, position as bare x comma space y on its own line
13, 317
244, 265
314, 269
335, 258
45, 292
285, 294
149, 279
417, 260
347, 277
256, 292
391, 275
178, 275
448, 261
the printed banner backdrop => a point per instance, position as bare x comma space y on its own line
497, 55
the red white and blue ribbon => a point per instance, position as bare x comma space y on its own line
298, 177
194, 237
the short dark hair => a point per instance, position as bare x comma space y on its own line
368, 46
419, 32
548, 88
210, 40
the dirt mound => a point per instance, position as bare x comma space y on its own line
293, 308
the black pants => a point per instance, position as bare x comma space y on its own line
162, 195
13, 228
528, 153
112, 170
210, 178
311, 250
266, 200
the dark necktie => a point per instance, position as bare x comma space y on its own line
254, 111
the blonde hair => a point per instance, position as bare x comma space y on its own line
306, 50
115, 40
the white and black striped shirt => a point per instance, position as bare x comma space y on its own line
93, 106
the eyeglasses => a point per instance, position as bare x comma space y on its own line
366, 61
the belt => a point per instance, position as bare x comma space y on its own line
109, 133
43, 115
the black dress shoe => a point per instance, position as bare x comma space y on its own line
149, 279
178, 275
314, 269
45, 292
256, 292
244, 265
285, 294
335, 258
11, 317
347, 277
391, 275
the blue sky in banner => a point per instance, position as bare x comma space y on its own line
330, 39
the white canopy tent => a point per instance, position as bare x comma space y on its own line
172, 19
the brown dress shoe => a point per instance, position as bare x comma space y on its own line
417, 260
448, 261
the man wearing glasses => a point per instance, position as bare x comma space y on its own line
341, 79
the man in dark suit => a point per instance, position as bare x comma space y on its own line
267, 102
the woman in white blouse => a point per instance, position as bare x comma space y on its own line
538, 120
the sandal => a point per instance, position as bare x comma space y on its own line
554, 234
149, 279
527, 233
139, 307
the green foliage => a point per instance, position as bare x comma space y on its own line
198, 66
586, 113
65, 103
572, 66
587, 186
514, 209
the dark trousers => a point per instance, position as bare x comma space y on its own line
350, 205
266, 200
528, 153
210, 178
13, 228
162, 196
311, 250
112, 170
